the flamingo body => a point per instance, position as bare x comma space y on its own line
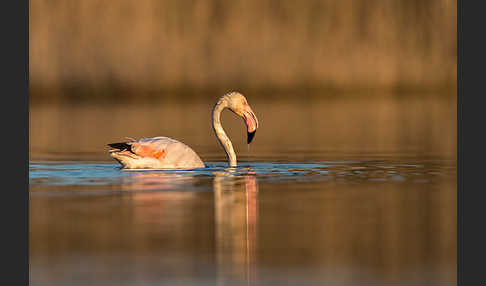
155, 153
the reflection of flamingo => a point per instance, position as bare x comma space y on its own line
143, 181
167, 153
236, 218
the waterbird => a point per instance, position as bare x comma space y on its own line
167, 153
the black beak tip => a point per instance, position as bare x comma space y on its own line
250, 136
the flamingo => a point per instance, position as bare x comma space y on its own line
168, 153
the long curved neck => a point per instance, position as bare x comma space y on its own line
220, 134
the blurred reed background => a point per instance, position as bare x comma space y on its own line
129, 49
341, 76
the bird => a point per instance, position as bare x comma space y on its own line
167, 153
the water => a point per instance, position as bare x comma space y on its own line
340, 222
63, 175
337, 192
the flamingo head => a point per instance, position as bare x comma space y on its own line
239, 105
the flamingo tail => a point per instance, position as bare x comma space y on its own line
121, 146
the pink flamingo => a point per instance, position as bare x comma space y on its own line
167, 153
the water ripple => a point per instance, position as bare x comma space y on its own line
106, 177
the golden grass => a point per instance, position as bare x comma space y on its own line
99, 48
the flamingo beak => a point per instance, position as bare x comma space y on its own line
251, 122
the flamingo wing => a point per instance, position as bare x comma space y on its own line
147, 147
